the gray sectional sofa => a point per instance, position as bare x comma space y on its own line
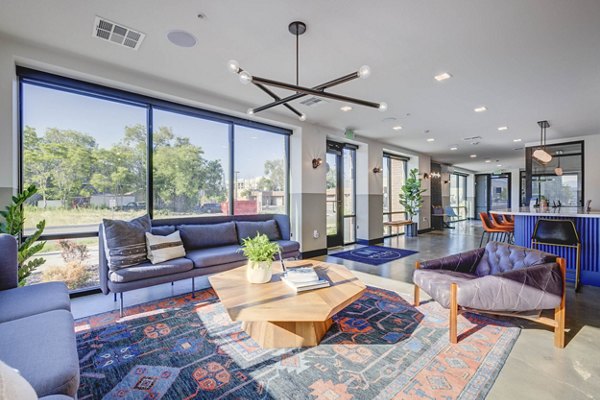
37, 335
212, 245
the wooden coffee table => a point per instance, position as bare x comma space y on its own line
274, 315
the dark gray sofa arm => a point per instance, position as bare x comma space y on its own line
538, 287
8, 262
463, 262
103, 263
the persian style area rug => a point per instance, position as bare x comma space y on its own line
374, 255
380, 347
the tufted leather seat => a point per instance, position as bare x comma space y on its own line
498, 278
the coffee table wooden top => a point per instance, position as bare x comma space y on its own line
276, 301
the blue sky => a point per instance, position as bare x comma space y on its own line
45, 108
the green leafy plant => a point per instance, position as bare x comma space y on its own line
14, 220
411, 194
259, 248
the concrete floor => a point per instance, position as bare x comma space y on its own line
535, 369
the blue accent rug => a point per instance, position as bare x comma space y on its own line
374, 255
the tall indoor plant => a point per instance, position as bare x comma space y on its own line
260, 253
411, 199
14, 219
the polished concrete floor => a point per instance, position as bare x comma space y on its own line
535, 369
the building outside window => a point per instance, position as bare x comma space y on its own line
394, 176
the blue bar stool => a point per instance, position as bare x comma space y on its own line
558, 232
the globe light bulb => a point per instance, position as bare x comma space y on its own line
383, 106
233, 66
302, 117
364, 72
245, 77
558, 171
250, 111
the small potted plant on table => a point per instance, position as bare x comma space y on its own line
260, 253
411, 199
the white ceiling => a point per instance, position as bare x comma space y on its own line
525, 60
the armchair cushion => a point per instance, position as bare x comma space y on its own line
463, 262
436, 283
499, 258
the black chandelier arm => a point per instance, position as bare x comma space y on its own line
277, 98
318, 93
323, 86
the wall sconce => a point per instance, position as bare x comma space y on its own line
425, 175
435, 175
316, 162
377, 170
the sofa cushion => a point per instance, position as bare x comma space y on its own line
288, 246
125, 241
13, 385
501, 257
148, 270
163, 230
248, 229
215, 256
33, 299
436, 283
164, 248
43, 348
207, 235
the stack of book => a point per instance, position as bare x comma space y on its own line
304, 278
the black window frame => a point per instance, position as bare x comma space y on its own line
31, 76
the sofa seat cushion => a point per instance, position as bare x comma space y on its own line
148, 270
34, 299
43, 348
288, 246
436, 283
249, 229
202, 236
215, 256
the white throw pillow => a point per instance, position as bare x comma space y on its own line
164, 248
13, 386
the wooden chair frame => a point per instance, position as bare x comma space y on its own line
558, 323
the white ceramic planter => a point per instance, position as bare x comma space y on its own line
258, 272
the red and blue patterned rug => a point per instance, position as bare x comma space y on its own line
380, 347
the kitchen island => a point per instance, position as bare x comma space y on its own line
588, 228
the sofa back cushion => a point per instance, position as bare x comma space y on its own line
501, 257
125, 241
163, 230
208, 235
246, 229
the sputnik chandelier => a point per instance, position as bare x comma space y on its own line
298, 28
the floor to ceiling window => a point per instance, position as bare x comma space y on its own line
89, 149
394, 176
458, 195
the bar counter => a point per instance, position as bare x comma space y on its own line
588, 228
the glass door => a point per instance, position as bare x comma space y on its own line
500, 192
334, 194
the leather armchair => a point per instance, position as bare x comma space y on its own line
498, 279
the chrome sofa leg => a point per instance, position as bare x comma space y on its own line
115, 297
172, 283
121, 304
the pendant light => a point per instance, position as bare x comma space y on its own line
541, 155
558, 170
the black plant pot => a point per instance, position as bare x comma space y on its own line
412, 230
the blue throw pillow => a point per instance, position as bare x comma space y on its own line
125, 241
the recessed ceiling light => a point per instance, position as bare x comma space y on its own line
516, 140
501, 128
397, 128
473, 156
480, 109
346, 108
453, 148
498, 165
431, 139
488, 161
442, 77
181, 38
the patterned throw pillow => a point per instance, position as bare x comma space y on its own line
125, 241
164, 248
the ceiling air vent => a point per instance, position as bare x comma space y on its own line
472, 138
117, 33
312, 101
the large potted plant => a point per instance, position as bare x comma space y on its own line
14, 219
260, 253
411, 199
